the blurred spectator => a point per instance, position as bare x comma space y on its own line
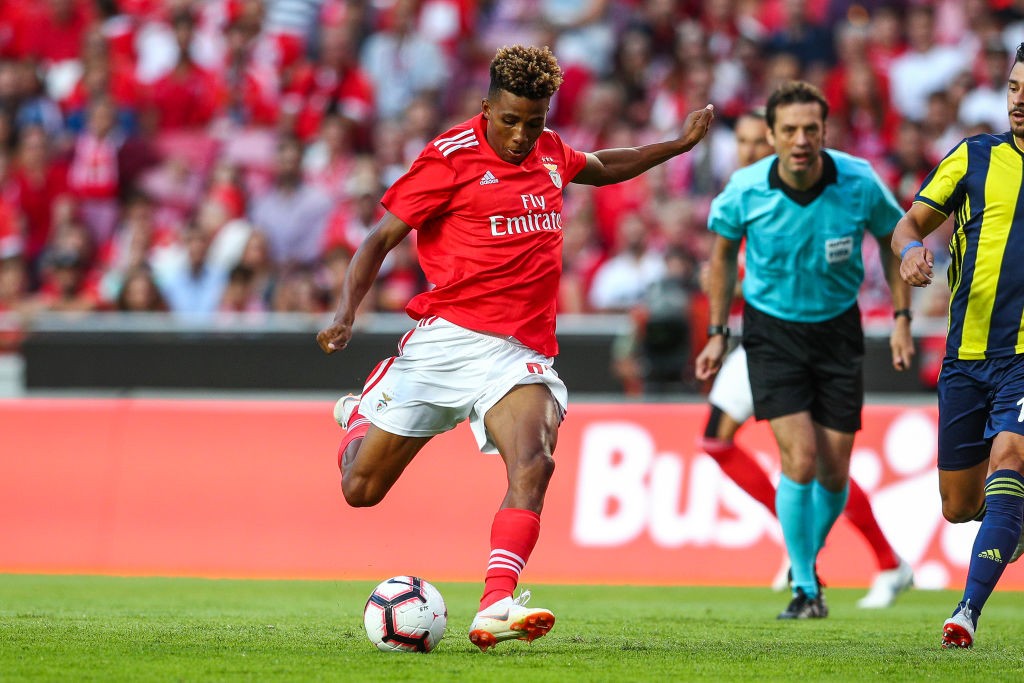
58, 30
332, 85
102, 76
926, 67
256, 258
68, 282
136, 244
249, 87
240, 294
226, 188
139, 293
654, 356
942, 130
802, 37
985, 104
293, 213
586, 35
329, 160
907, 164
187, 95
402, 63
619, 282
38, 182
93, 171
297, 292
190, 284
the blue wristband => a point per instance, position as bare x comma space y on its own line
910, 245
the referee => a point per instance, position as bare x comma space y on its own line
804, 212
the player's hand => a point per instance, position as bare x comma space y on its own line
916, 267
709, 362
901, 343
335, 337
696, 126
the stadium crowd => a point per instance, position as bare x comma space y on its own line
205, 156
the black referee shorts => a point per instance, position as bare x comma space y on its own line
817, 367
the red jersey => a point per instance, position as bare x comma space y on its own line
490, 232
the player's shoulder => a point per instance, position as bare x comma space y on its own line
848, 164
458, 142
987, 140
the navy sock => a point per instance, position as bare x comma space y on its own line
998, 536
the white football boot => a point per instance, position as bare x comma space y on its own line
510, 619
958, 630
343, 409
887, 586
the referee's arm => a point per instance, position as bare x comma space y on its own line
721, 288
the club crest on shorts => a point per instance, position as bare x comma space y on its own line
383, 402
553, 172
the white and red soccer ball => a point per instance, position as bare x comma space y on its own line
405, 614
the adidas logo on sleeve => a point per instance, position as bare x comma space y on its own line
488, 179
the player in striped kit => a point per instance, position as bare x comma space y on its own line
981, 386
486, 200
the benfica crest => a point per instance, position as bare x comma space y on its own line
553, 172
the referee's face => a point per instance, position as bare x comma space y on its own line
798, 136
1015, 100
514, 124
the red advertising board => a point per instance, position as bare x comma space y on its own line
251, 489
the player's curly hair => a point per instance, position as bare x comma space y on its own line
530, 72
793, 92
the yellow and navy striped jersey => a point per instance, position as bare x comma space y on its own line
980, 183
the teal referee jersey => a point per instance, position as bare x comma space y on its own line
803, 255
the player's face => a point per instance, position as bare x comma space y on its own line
751, 140
513, 124
798, 137
1015, 100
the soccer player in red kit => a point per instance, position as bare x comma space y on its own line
486, 200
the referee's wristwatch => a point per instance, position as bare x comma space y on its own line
715, 330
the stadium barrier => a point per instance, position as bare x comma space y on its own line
251, 489
245, 352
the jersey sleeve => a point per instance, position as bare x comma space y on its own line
940, 189
423, 193
724, 216
574, 159
884, 211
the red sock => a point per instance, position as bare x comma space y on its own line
357, 428
514, 532
743, 469
858, 510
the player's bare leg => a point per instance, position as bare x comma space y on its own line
963, 493
524, 427
372, 465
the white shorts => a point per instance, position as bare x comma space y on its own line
731, 389
444, 373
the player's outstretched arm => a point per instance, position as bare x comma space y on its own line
609, 166
388, 232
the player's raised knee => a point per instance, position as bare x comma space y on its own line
359, 493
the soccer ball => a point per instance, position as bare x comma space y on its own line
405, 614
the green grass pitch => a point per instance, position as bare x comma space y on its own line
72, 628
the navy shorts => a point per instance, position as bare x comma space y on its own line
977, 400
816, 367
